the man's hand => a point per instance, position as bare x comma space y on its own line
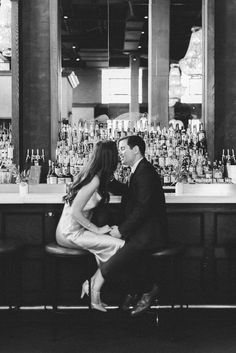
114, 232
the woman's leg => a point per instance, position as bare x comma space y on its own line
97, 280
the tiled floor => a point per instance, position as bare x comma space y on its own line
199, 331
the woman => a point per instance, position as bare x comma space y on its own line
75, 228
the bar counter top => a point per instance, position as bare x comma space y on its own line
56, 198
184, 194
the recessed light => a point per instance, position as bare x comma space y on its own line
77, 59
73, 47
142, 32
65, 17
145, 17
139, 46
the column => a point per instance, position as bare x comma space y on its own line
158, 60
225, 76
40, 74
134, 62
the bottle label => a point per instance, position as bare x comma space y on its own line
53, 180
60, 180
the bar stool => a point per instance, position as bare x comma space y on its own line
171, 258
10, 269
58, 254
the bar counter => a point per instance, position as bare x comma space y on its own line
56, 198
205, 224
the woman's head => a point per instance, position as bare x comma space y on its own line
104, 159
103, 162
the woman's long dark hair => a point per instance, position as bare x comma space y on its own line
103, 163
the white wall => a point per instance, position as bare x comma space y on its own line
82, 113
67, 97
5, 96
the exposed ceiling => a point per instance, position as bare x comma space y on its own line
102, 33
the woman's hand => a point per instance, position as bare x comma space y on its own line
104, 230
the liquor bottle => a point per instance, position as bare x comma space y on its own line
166, 177
233, 161
53, 176
27, 160
32, 157
49, 171
223, 163
37, 158
66, 174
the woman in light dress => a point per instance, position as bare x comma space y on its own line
75, 229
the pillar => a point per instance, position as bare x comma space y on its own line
40, 74
134, 62
158, 60
225, 76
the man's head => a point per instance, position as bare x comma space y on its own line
131, 149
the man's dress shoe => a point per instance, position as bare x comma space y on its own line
145, 302
130, 300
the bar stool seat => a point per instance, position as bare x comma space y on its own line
57, 250
58, 254
176, 250
10, 268
7, 247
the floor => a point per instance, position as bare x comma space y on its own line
198, 331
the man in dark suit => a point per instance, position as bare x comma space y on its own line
144, 227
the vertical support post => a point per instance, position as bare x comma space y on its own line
208, 89
158, 60
134, 62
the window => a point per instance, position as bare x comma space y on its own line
116, 86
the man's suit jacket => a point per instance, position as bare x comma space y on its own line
143, 203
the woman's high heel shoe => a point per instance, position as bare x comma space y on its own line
96, 301
85, 289
95, 297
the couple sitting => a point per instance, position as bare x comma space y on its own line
122, 249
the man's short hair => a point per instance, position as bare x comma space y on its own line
135, 140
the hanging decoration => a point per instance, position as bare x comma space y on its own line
191, 64
175, 88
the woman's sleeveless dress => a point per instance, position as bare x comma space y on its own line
72, 234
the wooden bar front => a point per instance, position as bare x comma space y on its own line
206, 228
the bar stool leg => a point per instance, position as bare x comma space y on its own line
172, 299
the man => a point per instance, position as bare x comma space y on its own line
144, 227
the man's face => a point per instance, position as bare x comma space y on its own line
127, 155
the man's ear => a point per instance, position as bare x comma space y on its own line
136, 149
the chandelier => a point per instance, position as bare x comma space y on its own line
5, 27
175, 88
191, 64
